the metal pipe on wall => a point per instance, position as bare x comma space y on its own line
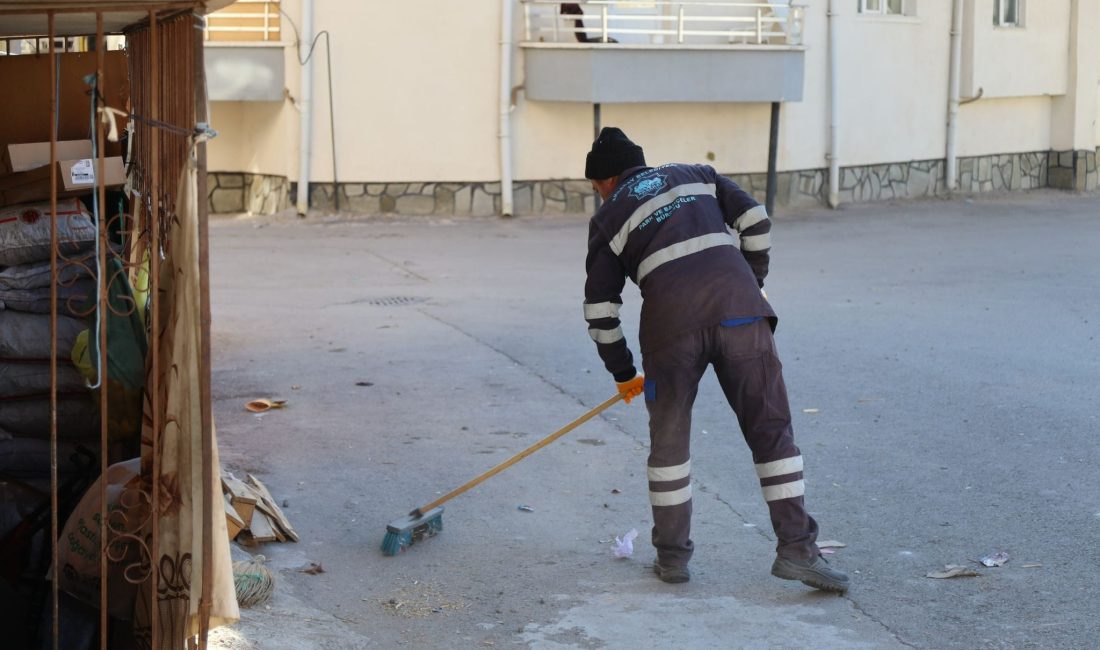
954, 73
773, 147
506, 206
305, 113
597, 124
834, 112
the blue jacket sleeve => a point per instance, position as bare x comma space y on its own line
603, 289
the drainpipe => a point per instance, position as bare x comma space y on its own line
953, 94
305, 116
506, 108
834, 114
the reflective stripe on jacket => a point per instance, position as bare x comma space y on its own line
694, 242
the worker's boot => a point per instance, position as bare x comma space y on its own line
673, 574
814, 572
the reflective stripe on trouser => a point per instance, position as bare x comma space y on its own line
750, 374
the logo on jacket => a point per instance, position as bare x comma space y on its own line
648, 187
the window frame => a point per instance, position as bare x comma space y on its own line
883, 8
1000, 9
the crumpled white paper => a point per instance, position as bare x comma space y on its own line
625, 547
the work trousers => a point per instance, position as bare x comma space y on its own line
748, 369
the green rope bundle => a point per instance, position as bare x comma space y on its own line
253, 582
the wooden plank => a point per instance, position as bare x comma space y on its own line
267, 505
262, 529
241, 496
233, 521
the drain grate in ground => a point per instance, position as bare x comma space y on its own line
394, 301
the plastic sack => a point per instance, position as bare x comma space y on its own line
77, 300
27, 336
36, 275
25, 231
33, 378
76, 417
78, 552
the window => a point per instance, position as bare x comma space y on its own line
1006, 13
883, 7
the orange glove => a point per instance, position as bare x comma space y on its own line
632, 388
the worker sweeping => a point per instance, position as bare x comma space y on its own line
667, 228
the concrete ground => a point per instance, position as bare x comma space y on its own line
942, 361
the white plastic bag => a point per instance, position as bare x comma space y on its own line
624, 547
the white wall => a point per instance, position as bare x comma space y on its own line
416, 97
1008, 125
893, 84
1012, 61
416, 90
254, 137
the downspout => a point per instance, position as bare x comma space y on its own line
834, 114
305, 116
953, 95
505, 108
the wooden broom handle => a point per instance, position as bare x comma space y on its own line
523, 454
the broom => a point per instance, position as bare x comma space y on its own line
427, 520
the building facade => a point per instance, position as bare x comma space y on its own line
430, 114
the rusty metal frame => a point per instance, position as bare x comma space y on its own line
55, 529
184, 105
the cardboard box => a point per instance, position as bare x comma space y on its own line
32, 155
74, 177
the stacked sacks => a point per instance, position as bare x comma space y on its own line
25, 293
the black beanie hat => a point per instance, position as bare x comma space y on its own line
612, 154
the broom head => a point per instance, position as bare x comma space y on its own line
406, 531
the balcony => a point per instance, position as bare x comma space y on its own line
245, 52
615, 51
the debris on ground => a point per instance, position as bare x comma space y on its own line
313, 569
954, 571
624, 547
263, 405
419, 601
994, 559
251, 513
616, 491
811, 411
1031, 565
525, 508
831, 543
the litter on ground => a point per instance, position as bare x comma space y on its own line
624, 547
953, 571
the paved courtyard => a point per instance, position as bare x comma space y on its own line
943, 362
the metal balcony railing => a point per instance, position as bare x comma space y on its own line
246, 20
664, 22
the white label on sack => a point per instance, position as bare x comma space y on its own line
82, 172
